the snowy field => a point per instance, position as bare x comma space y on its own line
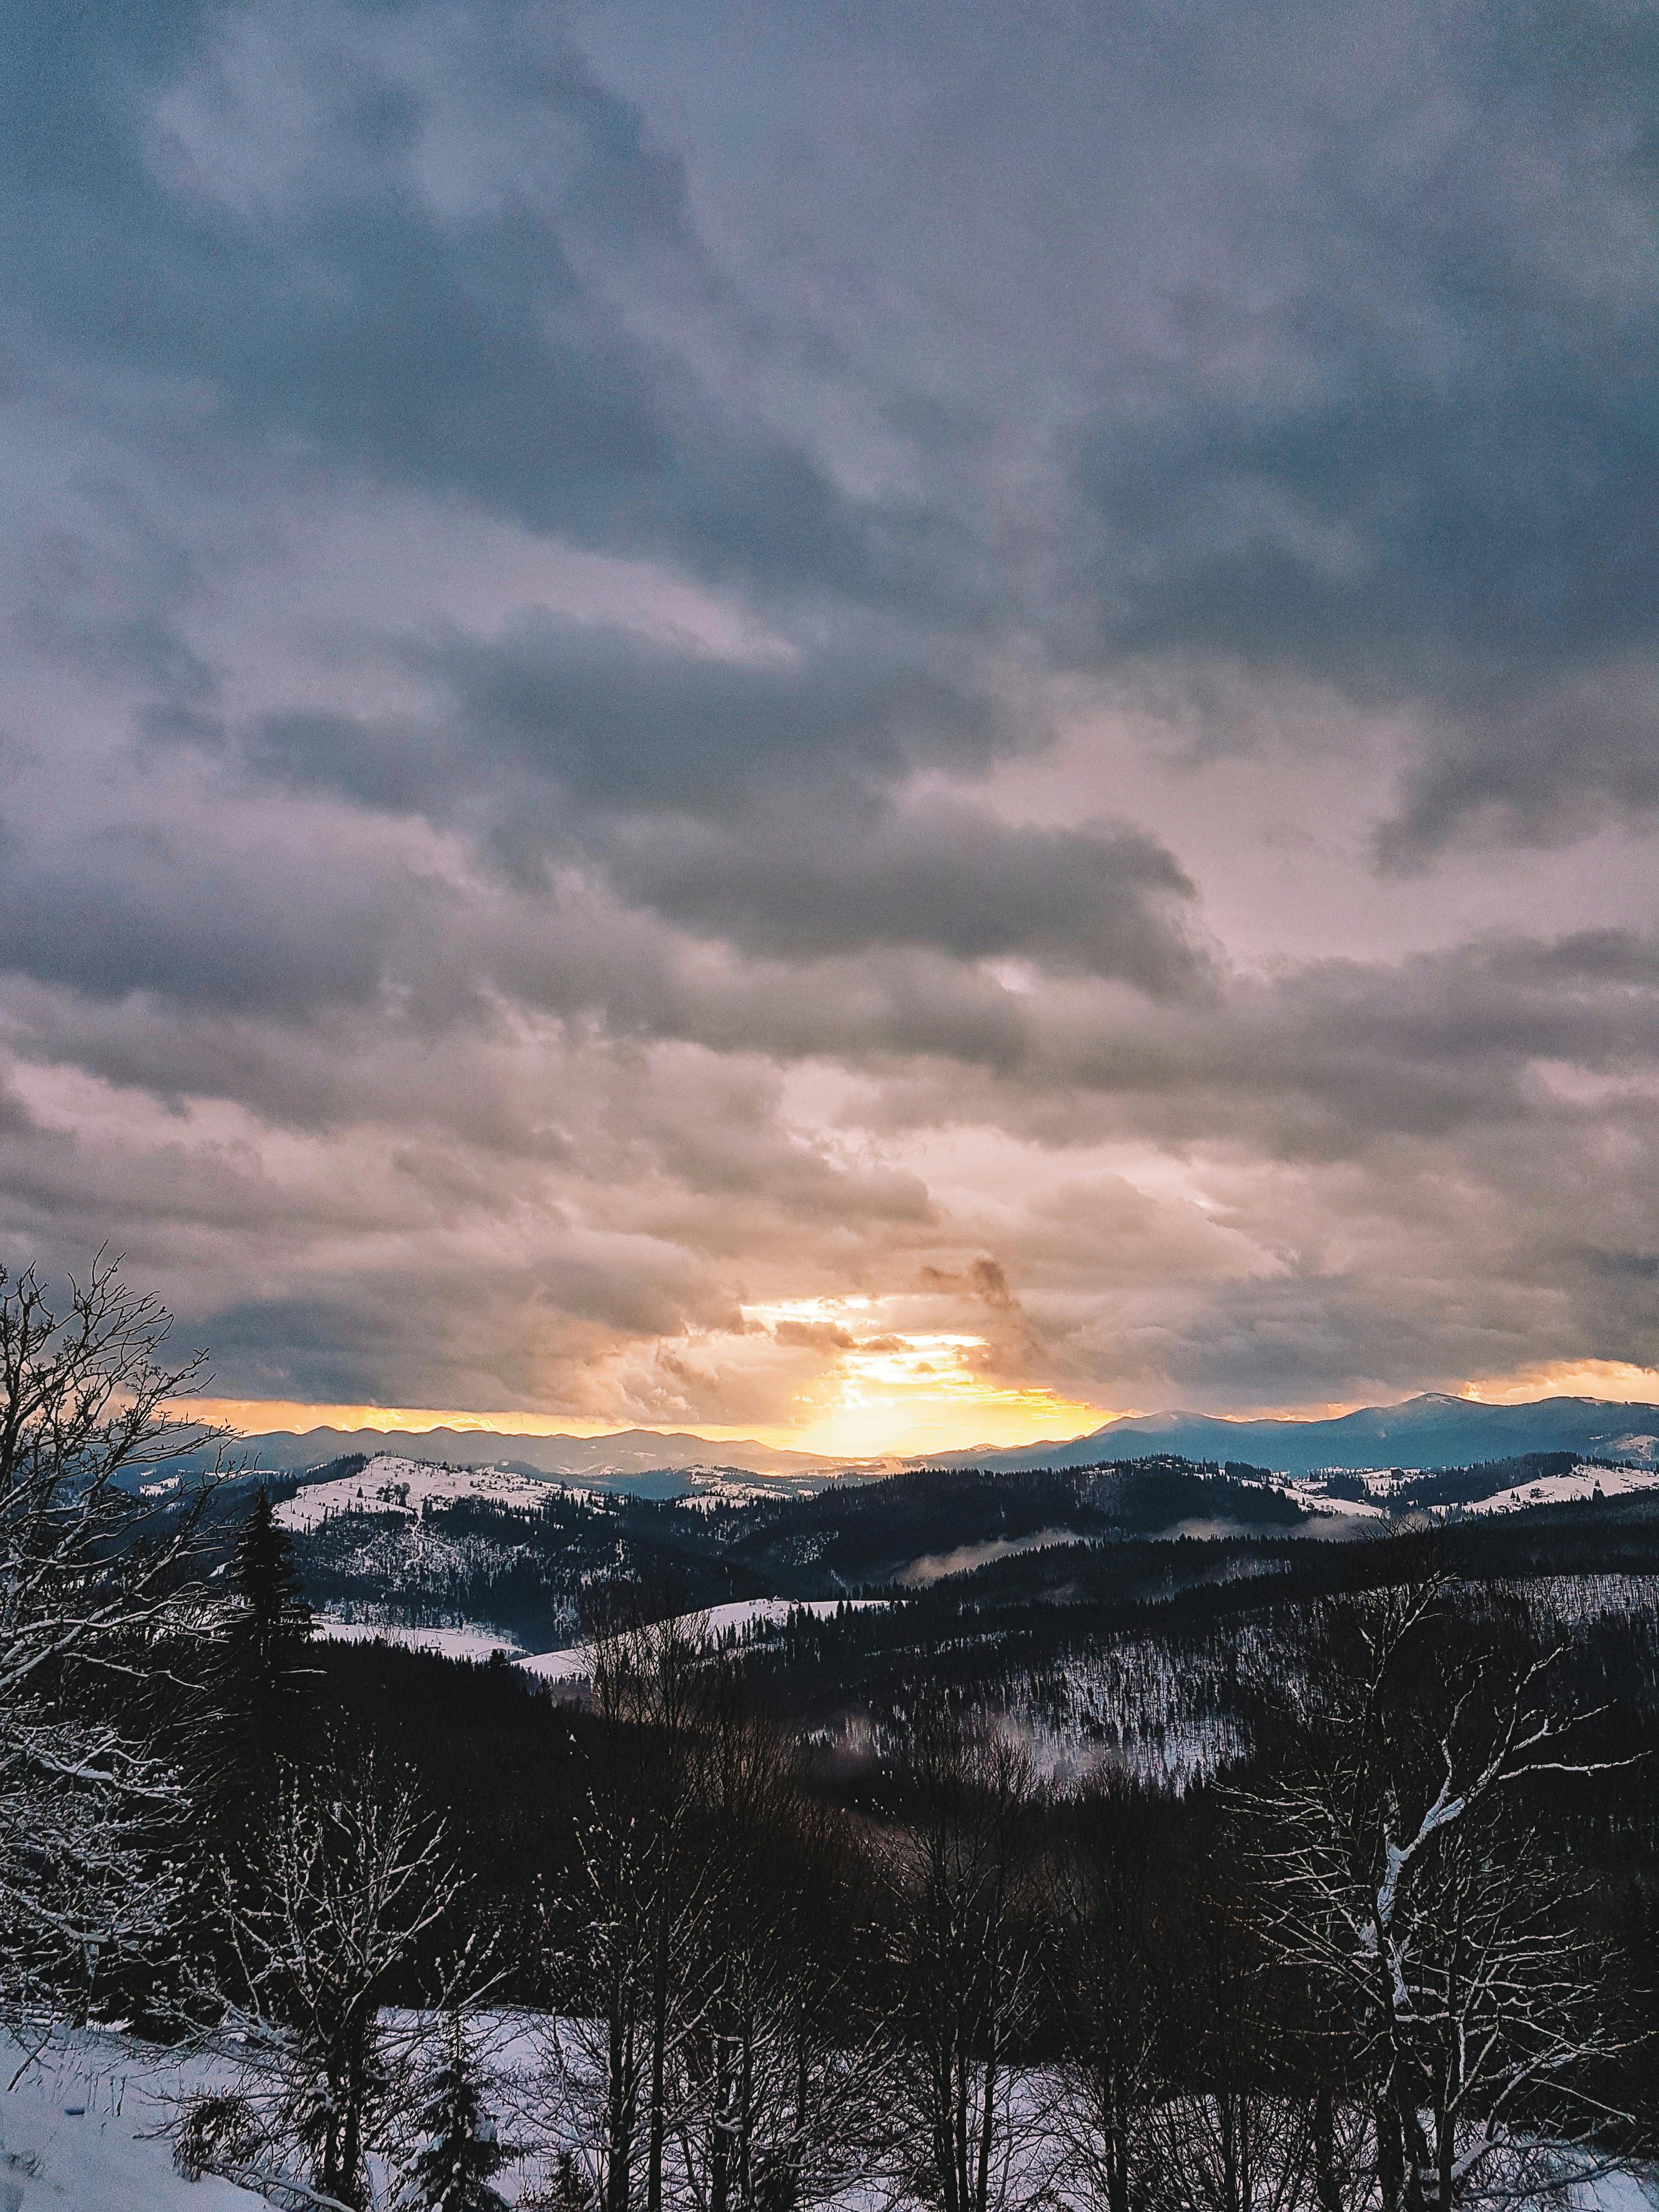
462, 1640
83, 2131
86, 2128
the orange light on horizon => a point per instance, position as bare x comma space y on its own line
1617, 1381
253, 1416
904, 1392
881, 1391
904, 1416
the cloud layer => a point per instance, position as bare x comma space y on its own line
989, 660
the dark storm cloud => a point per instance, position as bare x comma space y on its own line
1338, 1060
751, 800
149, 907
1103, 899
1440, 486
615, 721
534, 584
461, 348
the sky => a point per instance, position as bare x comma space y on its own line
877, 723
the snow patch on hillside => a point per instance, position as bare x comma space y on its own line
457, 1640
717, 1624
1569, 1489
389, 1485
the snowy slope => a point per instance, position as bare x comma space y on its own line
716, 1623
389, 1485
1387, 1492
463, 1640
1569, 1489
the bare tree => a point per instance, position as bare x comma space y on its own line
1226, 2132
1404, 1879
1111, 1997
959, 1870
780, 2097
626, 1941
350, 1878
93, 1574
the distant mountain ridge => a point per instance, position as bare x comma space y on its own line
1432, 1430
628, 1451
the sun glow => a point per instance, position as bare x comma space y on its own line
891, 1389
863, 1378
1614, 1381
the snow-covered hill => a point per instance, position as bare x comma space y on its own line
389, 1485
1393, 1491
1584, 1482
464, 1639
715, 1624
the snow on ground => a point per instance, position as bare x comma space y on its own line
1618, 2191
462, 1640
389, 1485
1340, 1509
1383, 1486
717, 1623
1568, 1488
84, 2130
79, 2129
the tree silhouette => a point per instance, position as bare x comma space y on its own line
261, 1692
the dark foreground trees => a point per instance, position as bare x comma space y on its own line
959, 1869
710, 2054
260, 1705
1368, 1983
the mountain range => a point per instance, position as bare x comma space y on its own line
1432, 1430
628, 1451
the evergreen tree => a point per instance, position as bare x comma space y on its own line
273, 1616
462, 2154
260, 1690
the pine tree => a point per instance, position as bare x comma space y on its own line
571, 2192
454, 2172
273, 1614
260, 1691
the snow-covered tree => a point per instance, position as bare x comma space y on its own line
462, 2153
349, 1877
1405, 1880
93, 1574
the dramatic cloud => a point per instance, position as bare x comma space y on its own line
752, 716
